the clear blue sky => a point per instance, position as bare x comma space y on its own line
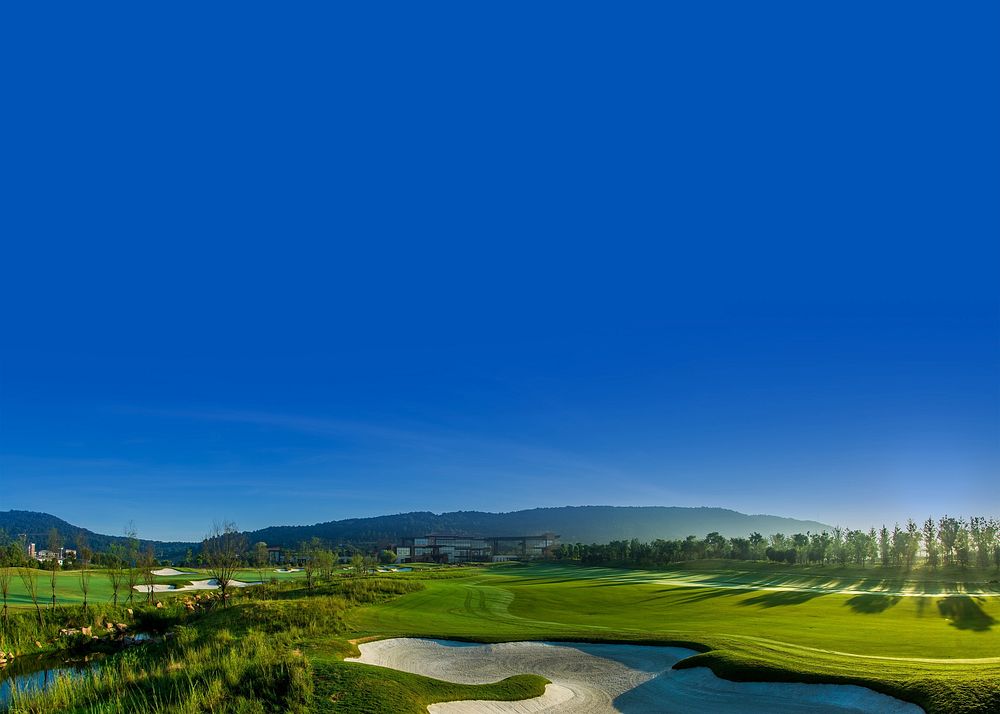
290, 264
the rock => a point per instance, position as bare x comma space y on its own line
87, 631
159, 604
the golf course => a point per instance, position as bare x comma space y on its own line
930, 641
928, 637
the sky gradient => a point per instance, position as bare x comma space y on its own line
299, 264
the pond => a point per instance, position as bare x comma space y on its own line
603, 678
39, 673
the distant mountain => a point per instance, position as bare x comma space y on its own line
583, 524
37, 526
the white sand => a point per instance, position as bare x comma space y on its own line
288, 570
164, 572
211, 584
596, 679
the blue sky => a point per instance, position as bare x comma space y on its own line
291, 265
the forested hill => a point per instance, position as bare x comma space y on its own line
37, 526
584, 524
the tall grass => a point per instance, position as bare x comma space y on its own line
214, 672
241, 659
20, 632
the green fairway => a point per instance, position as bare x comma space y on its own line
930, 637
933, 649
68, 590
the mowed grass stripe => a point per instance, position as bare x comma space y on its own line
939, 652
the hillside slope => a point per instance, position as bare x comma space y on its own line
585, 524
37, 526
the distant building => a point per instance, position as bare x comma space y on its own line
46, 556
31, 550
522, 547
446, 548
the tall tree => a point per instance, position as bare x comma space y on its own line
963, 550
223, 549
930, 542
358, 565
948, 535
324, 563
261, 560
55, 549
84, 555
114, 561
29, 579
6, 573
983, 535
912, 543
147, 564
132, 573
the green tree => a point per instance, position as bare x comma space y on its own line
261, 560
324, 563
963, 549
948, 535
147, 564
930, 542
223, 549
800, 541
6, 573
309, 551
358, 565
715, 545
912, 543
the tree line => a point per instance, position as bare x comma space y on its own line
130, 569
946, 541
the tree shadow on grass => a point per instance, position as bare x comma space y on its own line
964, 612
709, 594
871, 603
781, 598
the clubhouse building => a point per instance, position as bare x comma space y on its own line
446, 548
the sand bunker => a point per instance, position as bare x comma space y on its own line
596, 679
211, 584
164, 572
288, 570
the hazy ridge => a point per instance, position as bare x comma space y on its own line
585, 524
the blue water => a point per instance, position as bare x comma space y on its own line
33, 681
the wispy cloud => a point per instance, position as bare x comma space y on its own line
434, 442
